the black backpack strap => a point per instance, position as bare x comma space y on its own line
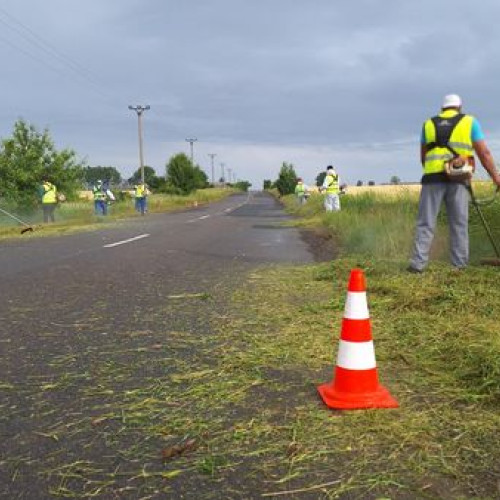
444, 128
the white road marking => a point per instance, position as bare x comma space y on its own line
140, 237
198, 218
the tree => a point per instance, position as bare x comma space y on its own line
201, 178
395, 179
287, 179
30, 155
150, 177
93, 174
183, 176
371, 183
243, 185
359, 183
268, 184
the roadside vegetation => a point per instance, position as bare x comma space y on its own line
29, 156
381, 223
236, 414
79, 215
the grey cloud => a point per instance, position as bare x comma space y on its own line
280, 74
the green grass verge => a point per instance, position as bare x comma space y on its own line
79, 216
383, 226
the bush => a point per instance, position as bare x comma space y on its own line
287, 179
29, 156
184, 176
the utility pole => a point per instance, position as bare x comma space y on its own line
229, 175
191, 142
212, 156
222, 170
139, 109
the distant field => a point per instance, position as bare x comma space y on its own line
390, 189
400, 189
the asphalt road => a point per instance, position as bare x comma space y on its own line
243, 228
66, 300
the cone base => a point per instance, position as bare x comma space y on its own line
356, 401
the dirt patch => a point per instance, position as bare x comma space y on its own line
321, 244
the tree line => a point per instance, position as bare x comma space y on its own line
29, 155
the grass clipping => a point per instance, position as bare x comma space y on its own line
437, 347
206, 416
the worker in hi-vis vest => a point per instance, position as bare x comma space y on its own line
301, 191
331, 187
102, 195
448, 143
140, 193
48, 193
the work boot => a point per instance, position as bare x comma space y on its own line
414, 270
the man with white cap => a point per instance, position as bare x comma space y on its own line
331, 186
448, 143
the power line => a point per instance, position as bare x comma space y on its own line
28, 54
36, 41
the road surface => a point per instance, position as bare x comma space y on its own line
68, 301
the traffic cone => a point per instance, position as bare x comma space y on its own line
355, 384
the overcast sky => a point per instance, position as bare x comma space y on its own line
257, 82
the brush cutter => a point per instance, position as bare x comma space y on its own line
477, 203
27, 227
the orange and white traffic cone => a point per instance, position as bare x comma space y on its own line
355, 384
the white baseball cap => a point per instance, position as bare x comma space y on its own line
451, 101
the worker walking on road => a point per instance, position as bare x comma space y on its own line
448, 143
301, 191
331, 186
48, 193
140, 194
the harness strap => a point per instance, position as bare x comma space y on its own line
444, 128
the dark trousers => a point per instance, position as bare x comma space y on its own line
141, 205
48, 212
100, 207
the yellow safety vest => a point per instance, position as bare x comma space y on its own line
140, 191
99, 193
332, 183
300, 189
49, 193
460, 140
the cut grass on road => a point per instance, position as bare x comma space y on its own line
236, 414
